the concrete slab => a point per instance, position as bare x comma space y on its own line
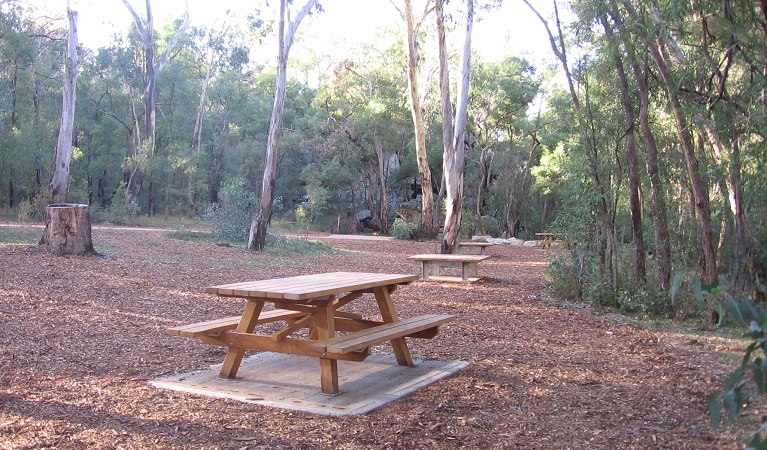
293, 382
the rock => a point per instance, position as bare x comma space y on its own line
532, 244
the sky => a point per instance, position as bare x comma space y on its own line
512, 30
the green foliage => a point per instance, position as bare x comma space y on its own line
116, 212
230, 218
401, 229
34, 210
732, 398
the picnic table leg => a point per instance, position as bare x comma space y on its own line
473, 269
436, 267
234, 355
483, 250
389, 315
465, 271
424, 270
328, 367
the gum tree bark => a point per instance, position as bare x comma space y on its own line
262, 218
59, 185
416, 109
453, 128
152, 68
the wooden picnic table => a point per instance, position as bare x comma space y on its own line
313, 302
433, 262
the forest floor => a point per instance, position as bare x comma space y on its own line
83, 336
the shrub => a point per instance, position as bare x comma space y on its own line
230, 218
401, 230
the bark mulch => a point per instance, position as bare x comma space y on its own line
82, 336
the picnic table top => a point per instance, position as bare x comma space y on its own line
307, 287
475, 244
449, 257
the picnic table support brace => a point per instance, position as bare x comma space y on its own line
234, 355
389, 315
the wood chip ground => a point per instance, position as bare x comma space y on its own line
81, 337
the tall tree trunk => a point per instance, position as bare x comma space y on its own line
152, 68
416, 110
560, 51
262, 218
59, 185
453, 128
658, 196
383, 215
699, 190
640, 262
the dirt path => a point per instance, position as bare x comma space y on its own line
81, 337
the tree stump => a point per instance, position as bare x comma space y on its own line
68, 230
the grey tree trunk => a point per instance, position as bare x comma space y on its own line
146, 151
262, 218
453, 128
59, 185
700, 195
416, 110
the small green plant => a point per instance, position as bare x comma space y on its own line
34, 210
230, 218
401, 230
751, 317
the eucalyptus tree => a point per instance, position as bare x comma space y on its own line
152, 67
453, 126
367, 121
658, 202
414, 56
658, 51
215, 50
285, 33
59, 185
608, 252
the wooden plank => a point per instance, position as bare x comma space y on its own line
292, 346
362, 339
306, 287
436, 257
230, 323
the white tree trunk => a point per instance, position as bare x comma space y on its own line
152, 69
453, 129
424, 172
59, 185
262, 218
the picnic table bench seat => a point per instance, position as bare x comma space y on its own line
425, 326
468, 264
473, 244
230, 323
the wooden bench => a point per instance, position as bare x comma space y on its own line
230, 323
473, 244
425, 326
435, 261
